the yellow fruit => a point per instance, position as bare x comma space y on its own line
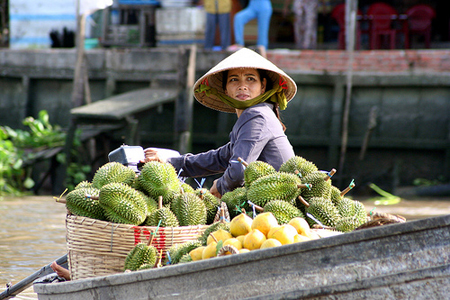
285, 234
301, 225
269, 243
233, 242
243, 250
264, 222
300, 238
272, 230
241, 239
220, 235
240, 225
210, 251
196, 254
254, 239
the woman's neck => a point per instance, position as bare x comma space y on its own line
239, 112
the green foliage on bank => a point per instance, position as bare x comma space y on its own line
19, 148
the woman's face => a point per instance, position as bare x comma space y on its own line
244, 84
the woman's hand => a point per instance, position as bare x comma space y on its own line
213, 190
152, 154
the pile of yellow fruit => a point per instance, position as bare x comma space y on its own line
247, 234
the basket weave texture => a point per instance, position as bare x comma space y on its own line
99, 248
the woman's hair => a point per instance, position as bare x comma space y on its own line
269, 85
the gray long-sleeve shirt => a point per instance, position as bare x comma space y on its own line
256, 135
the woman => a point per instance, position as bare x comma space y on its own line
255, 89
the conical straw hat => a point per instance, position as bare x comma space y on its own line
244, 58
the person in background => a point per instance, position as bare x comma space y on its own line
217, 15
305, 22
252, 87
256, 9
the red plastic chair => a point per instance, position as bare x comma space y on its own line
419, 22
338, 14
380, 16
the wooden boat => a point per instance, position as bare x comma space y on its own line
408, 260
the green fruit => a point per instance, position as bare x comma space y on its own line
84, 202
113, 172
83, 184
123, 204
160, 179
354, 209
211, 203
235, 201
189, 209
321, 186
283, 211
184, 249
142, 254
323, 210
335, 195
255, 170
300, 165
277, 186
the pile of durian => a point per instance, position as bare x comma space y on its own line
158, 197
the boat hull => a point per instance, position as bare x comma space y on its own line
401, 261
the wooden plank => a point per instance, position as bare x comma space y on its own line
120, 106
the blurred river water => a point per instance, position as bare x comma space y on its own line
32, 232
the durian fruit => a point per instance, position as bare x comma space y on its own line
298, 164
186, 188
152, 204
347, 224
236, 200
323, 210
184, 249
113, 172
283, 211
170, 252
189, 209
163, 216
84, 202
123, 204
335, 195
185, 259
354, 209
141, 254
213, 227
160, 179
211, 203
321, 185
255, 170
277, 186
83, 184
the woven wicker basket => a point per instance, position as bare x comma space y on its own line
99, 248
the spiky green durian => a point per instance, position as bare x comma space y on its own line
352, 208
211, 202
160, 179
320, 185
347, 224
189, 209
83, 184
186, 188
300, 164
256, 169
283, 211
276, 186
163, 217
113, 172
213, 227
236, 200
152, 204
123, 204
323, 210
335, 195
185, 259
141, 254
84, 202
183, 249
170, 252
